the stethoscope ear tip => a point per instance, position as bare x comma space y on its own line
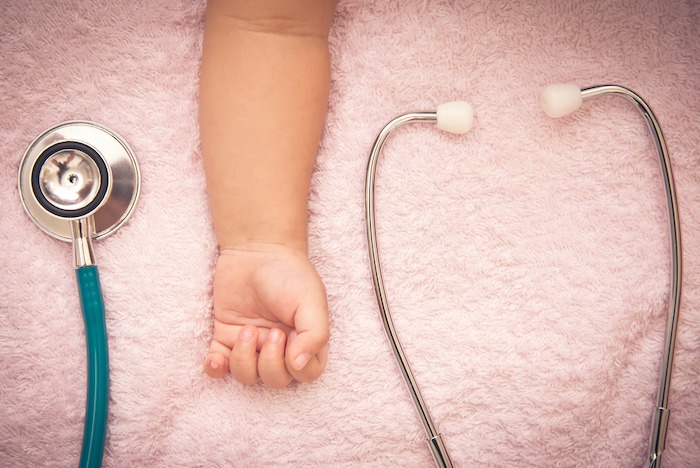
561, 99
455, 117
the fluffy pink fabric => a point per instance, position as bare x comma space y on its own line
527, 262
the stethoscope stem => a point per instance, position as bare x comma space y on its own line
437, 448
81, 235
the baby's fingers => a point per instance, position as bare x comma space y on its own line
216, 363
271, 366
243, 361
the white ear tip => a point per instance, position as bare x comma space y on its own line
455, 117
561, 99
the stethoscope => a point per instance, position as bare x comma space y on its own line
79, 181
557, 100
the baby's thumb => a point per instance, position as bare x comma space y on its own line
303, 347
310, 337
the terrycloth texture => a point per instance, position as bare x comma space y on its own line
527, 262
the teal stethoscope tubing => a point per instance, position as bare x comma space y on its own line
93, 309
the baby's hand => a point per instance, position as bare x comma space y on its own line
270, 316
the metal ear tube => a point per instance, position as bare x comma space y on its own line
559, 100
456, 117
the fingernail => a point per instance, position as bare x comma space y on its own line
301, 361
247, 334
213, 365
275, 336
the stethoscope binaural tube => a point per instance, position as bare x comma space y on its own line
80, 181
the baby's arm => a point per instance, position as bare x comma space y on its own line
263, 95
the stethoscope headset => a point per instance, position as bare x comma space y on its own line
558, 100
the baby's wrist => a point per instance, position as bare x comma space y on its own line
267, 238
262, 246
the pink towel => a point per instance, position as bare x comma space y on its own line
526, 263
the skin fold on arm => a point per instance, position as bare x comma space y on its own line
264, 87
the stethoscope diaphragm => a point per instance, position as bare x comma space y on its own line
78, 169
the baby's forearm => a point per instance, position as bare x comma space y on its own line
263, 97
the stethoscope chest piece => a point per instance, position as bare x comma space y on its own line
80, 181
79, 169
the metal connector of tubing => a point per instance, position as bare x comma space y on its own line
81, 234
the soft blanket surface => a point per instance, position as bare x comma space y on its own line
527, 262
